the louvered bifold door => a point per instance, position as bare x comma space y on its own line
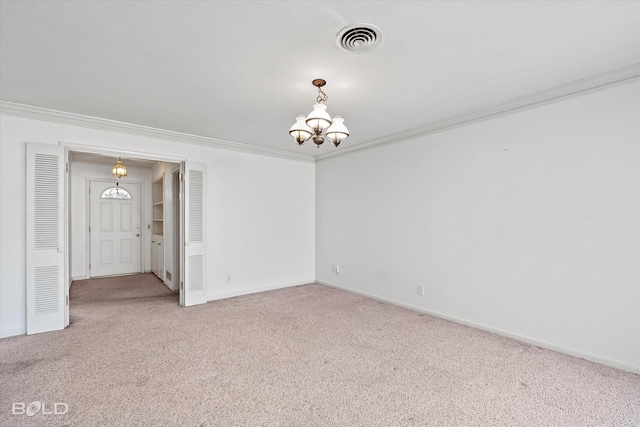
45, 238
195, 285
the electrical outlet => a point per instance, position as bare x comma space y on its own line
337, 269
420, 290
228, 279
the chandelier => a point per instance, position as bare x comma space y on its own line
318, 125
119, 170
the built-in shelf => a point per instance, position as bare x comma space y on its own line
157, 238
158, 207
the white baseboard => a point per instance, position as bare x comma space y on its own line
169, 285
13, 332
225, 295
544, 344
115, 275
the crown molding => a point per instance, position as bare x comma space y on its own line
37, 113
610, 79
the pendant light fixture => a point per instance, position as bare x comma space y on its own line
119, 170
318, 125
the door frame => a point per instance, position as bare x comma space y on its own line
198, 186
143, 234
178, 221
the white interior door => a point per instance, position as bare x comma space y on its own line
194, 290
46, 289
115, 228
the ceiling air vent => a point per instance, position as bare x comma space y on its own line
359, 38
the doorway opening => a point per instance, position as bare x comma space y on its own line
130, 227
56, 216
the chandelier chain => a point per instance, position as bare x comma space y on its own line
322, 97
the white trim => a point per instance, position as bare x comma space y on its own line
177, 221
67, 235
225, 295
38, 113
6, 333
618, 77
143, 155
613, 78
523, 338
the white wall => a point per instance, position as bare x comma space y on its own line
527, 224
79, 172
260, 216
256, 234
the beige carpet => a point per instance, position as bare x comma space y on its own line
303, 356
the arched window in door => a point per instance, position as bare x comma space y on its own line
116, 193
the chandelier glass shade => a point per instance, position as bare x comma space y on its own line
119, 169
318, 125
300, 131
337, 131
318, 119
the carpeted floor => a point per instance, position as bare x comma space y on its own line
302, 356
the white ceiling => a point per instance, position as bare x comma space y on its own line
241, 71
